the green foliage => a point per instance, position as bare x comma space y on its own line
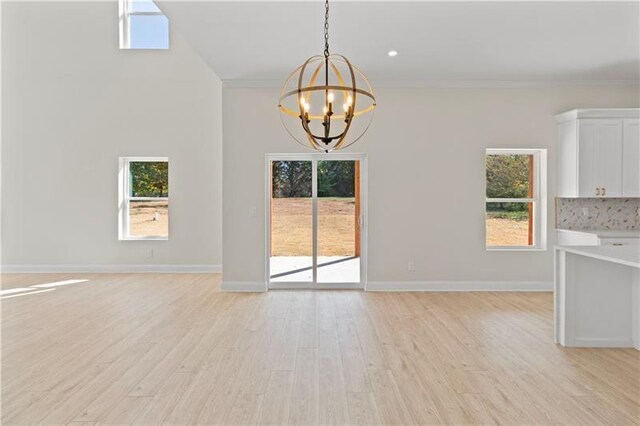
336, 178
508, 177
293, 179
506, 213
149, 179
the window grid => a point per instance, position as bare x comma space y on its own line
125, 190
537, 211
125, 13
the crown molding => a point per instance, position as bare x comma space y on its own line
462, 84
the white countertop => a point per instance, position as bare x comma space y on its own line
606, 233
628, 255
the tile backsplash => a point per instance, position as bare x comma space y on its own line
614, 214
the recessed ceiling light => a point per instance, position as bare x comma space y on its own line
392, 53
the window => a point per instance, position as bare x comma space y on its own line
143, 25
515, 204
144, 198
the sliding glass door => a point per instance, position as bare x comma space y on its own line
314, 221
291, 221
338, 221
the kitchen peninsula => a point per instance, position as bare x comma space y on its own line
597, 296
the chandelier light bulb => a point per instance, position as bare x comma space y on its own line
345, 107
330, 97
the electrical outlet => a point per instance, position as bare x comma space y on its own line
585, 211
411, 266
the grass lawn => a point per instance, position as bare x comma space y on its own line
521, 215
291, 229
143, 220
292, 223
507, 228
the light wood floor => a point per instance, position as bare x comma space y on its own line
171, 348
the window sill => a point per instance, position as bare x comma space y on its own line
144, 239
145, 48
515, 249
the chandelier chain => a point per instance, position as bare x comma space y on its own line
326, 28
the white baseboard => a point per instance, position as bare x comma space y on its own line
459, 286
259, 286
252, 286
108, 268
595, 342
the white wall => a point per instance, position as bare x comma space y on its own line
426, 177
72, 103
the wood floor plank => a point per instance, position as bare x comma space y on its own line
333, 408
363, 409
389, 401
174, 349
354, 366
188, 407
418, 400
304, 395
275, 406
222, 395
245, 410
155, 409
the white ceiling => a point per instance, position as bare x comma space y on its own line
438, 42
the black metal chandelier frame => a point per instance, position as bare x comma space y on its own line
325, 140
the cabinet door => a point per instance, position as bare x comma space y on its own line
588, 149
600, 158
631, 158
567, 159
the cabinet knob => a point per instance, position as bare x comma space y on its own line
597, 192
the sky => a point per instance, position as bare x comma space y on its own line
148, 32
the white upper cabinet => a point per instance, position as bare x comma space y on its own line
631, 158
599, 153
599, 157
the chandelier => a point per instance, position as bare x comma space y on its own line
326, 104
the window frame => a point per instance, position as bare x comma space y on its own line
125, 198
124, 20
539, 198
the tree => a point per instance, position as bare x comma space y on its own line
508, 177
336, 178
291, 179
149, 179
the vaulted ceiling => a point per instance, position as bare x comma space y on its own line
438, 42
